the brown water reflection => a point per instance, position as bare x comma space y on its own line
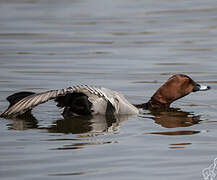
175, 133
175, 118
179, 145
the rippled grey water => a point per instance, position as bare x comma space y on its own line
129, 46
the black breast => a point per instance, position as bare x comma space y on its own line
74, 103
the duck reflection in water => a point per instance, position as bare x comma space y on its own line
170, 118
88, 124
72, 124
174, 118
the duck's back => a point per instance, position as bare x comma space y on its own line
121, 104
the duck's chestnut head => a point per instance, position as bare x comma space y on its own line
176, 87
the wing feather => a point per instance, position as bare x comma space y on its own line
31, 101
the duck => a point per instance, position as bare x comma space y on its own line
90, 100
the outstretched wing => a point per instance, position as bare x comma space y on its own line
31, 101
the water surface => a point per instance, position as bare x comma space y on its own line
128, 46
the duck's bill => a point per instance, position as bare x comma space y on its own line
200, 87
204, 88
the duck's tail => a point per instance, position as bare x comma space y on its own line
16, 97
